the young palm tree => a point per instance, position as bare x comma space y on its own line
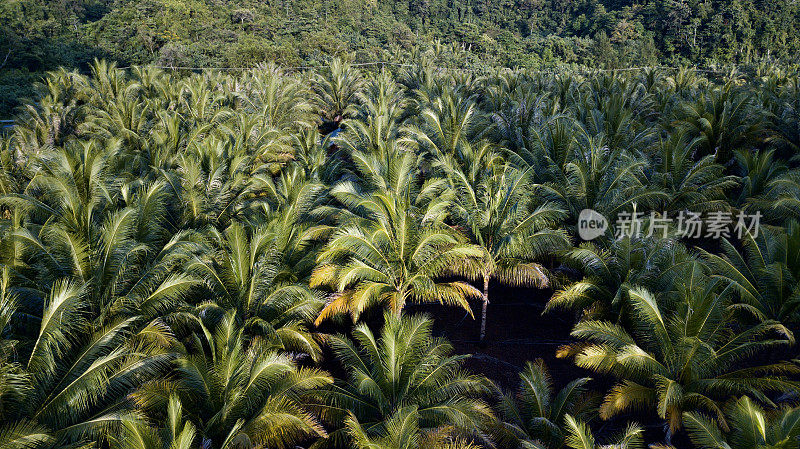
200, 101
724, 121
535, 417
498, 214
518, 109
688, 360
235, 388
765, 272
107, 83
299, 215
403, 371
177, 433
337, 89
579, 436
244, 273
72, 385
546, 146
73, 183
751, 428
610, 272
402, 432
393, 247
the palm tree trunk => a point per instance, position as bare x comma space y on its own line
400, 303
485, 306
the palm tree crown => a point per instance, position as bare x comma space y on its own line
403, 371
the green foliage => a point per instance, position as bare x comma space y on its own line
401, 382
238, 389
580, 436
764, 273
752, 427
680, 361
173, 244
36, 36
537, 415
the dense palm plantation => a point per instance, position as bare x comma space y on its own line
199, 261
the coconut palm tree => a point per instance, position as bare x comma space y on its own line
375, 140
785, 195
107, 83
765, 272
392, 246
200, 101
614, 110
694, 185
579, 436
298, 213
609, 272
451, 125
14, 172
74, 184
590, 175
56, 116
238, 388
760, 170
724, 121
12, 377
402, 372
519, 109
113, 238
781, 100
337, 89
493, 203
394, 251
177, 433
403, 432
687, 360
769, 186
125, 119
752, 427
498, 213
282, 102
311, 155
544, 146
222, 178
243, 271
71, 386
535, 416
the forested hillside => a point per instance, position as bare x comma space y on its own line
38, 35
